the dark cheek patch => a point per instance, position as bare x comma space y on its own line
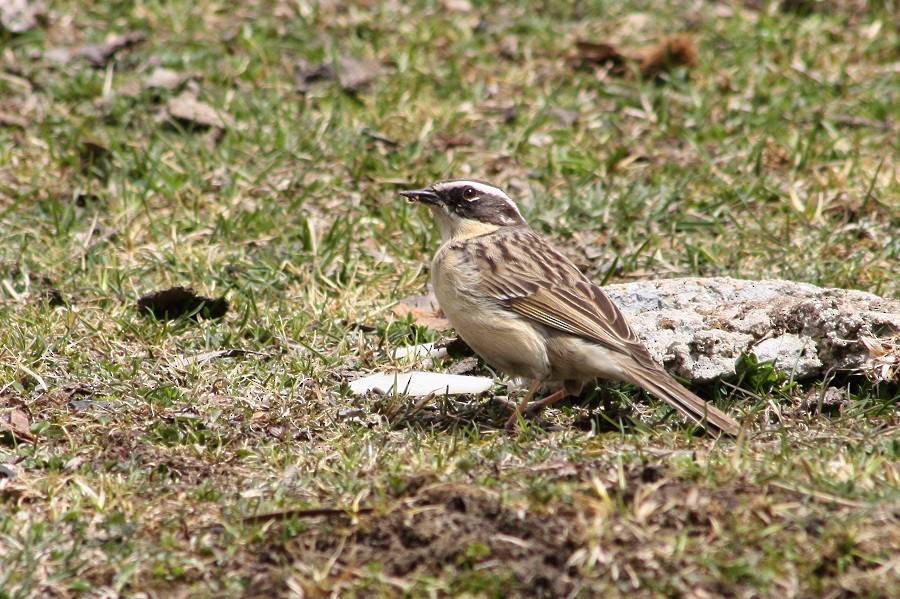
486, 211
475, 210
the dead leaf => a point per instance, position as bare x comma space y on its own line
165, 79
188, 110
305, 76
15, 421
98, 55
885, 357
597, 53
355, 75
18, 16
670, 52
425, 312
170, 304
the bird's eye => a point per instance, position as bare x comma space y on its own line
469, 193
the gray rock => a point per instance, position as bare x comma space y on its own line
699, 328
790, 353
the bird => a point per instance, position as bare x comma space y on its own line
529, 312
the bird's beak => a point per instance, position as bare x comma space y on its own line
426, 196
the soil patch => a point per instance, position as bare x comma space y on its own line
457, 526
461, 531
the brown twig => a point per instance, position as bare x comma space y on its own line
304, 513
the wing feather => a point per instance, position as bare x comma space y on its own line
558, 296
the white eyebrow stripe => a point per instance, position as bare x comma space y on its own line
482, 188
486, 189
514, 205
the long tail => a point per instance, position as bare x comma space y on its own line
658, 382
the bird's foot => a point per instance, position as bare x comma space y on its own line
533, 410
510, 425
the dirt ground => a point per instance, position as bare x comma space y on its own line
432, 531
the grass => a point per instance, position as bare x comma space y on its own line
774, 157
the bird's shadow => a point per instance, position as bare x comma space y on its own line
599, 409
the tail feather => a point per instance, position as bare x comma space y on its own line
659, 383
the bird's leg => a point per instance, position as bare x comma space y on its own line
547, 401
520, 409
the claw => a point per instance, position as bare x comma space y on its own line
510, 425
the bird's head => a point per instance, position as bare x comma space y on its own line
465, 208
